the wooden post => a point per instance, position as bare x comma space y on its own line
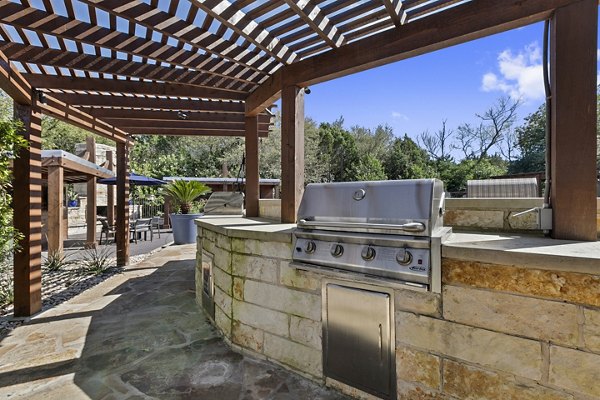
573, 72
292, 151
55, 209
91, 209
252, 173
167, 211
110, 191
28, 214
122, 224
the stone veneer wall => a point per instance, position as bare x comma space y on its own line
495, 331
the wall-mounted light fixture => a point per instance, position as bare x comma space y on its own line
307, 90
182, 115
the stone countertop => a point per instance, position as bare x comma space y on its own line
525, 251
521, 250
248, 228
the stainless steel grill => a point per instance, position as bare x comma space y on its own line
384, 229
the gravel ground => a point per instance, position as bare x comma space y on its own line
64, 284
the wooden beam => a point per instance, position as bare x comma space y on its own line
463, 23
13, 83
132, 87
292, 152
91, 209
43, 22
74, 168
252, 167
105, 65
114, 115
71, 115
110, 191
573, 120
28, 214
185, 32
318, 21
54, 227
122, 224
151, 102
394, 9
217, 126
188, 132
229, 15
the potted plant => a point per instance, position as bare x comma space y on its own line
72, 197
184, 195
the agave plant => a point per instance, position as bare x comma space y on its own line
184, 193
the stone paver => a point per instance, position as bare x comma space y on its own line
138, 335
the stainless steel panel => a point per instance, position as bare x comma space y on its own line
225, 203
208, 286
368, 206
358, 339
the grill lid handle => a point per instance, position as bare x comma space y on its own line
408, 227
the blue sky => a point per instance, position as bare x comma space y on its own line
455, 83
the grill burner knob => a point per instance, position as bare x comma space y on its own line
310, 247
337, 250
368, 253
404, 257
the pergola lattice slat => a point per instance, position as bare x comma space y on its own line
318, 21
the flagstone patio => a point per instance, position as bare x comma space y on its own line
138, 335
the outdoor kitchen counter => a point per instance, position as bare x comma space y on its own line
537, 300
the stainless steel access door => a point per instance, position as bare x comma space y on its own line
357, 339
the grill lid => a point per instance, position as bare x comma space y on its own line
412, 206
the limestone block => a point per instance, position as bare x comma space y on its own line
524, 221
208, 245
466, 382
261, 318
259, 268
591, 329
306, 331
418, 367
223, 241
238, 289
222, 259
247, 336
575, 370
474, 218
515, 355
209, 235
410, 391
418, 302
223, 300
295, 278
572, 287
198, 281
261, 248
524, 316
283, 299
223, 280
297, 356
223, 322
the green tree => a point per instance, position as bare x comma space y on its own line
339, 152
58, 135
531, 142
406, 160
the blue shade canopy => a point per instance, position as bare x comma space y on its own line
135, 179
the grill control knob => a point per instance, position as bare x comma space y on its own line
368, 253
310, 247
337, 250
404, 257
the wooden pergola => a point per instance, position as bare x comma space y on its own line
214, 67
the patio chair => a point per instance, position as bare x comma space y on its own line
139, 226
157, 223
107, 230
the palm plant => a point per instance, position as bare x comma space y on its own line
184, 193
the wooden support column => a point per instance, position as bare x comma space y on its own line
28, 214
91, 209
292, 151
110, 191
573, 72
122, 224
252, 172
55, 209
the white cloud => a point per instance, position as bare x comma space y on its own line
398, 115
519, 75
